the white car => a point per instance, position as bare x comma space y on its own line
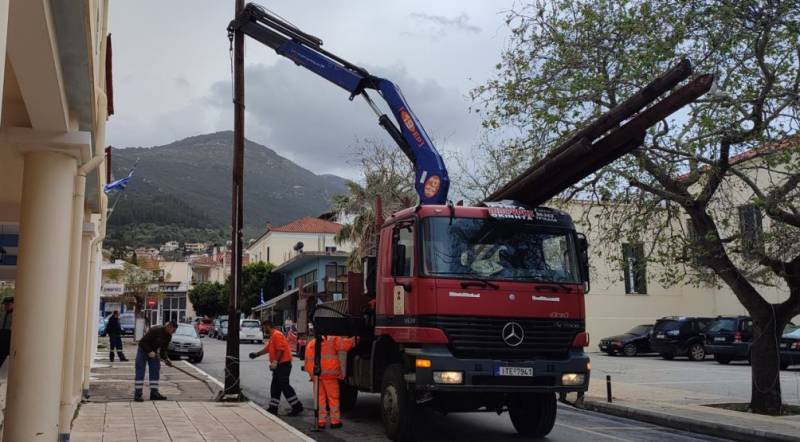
250, 330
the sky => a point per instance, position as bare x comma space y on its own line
172, 73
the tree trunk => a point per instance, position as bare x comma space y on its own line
765, 360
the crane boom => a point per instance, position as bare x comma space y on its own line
431, 180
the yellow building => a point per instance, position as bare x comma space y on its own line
55, 102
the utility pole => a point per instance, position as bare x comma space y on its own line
232, 386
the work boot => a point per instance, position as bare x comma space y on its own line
111, 356
138, 397
297, 409
156, 396
336, 425
320, 425
122, 357
272, 410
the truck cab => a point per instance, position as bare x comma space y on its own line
475, 309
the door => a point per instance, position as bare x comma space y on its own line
399, 283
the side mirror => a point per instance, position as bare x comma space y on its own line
583, 258
369, 270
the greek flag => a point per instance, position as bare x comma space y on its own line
262, 296
119, 184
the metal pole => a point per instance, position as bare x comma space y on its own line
232, 386
608, 389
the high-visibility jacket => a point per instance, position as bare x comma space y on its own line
278, 343
329, 356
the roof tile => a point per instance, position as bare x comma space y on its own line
308, 225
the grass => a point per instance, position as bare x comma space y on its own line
788, 410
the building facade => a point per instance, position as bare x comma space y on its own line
280, 244
56, 97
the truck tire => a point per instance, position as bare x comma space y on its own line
397, 405
533, 415
348, 395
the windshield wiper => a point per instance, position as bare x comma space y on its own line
479, 282
552, 288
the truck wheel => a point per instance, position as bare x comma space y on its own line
397, 405
533, 415
347, 396
697, 352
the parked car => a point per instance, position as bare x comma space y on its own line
790, 346
203, 326
679, 335
186, 342
635, 341
212, 333
127, 322
250, 330
729, 338
223, 330
101, 327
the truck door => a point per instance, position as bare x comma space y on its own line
399, 284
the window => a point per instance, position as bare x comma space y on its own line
487, 248
751, 231
335, 278
330, 249
307, 282
635, 268
403, 250
267, 254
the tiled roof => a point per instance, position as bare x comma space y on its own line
308, 225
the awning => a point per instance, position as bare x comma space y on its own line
272, 302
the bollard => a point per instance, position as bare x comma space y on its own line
608, 388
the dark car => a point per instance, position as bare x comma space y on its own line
635, 341
679, 335
790, 346
127, 322
186, 342
729, 338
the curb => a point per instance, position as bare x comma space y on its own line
692, 425
294, 431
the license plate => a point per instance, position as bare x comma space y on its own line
661, 336
784, 345
719, 339
603, 347
514, 371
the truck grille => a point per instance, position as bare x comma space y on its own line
479, 337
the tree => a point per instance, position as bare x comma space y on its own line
255, 278
702, 178
387, 174
137, 286
209, 298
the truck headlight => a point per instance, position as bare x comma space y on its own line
573, 379
448, 377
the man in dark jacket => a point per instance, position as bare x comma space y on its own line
115, 337
152, 345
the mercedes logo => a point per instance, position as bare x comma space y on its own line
513, 334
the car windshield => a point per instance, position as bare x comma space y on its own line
640, 329
723, 325
667, 325
186, 330
493, 249
126, 319
250, 324
791, 331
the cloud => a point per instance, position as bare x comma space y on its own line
311, 121
441, 23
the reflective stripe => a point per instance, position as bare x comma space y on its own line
292, 400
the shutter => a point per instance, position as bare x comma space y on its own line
641, 270
626, 252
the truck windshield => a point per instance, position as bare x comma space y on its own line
492, 249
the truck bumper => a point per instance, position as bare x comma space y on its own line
483, 375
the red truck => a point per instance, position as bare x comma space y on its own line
475, 309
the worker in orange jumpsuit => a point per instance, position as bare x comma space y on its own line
280, 357
333, 365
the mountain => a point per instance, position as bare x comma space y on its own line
187, 184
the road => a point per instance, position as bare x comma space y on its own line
364, 422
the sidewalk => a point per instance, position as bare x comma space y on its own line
685, 410
190, 414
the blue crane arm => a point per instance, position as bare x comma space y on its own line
431, 180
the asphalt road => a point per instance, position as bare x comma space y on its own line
364, 422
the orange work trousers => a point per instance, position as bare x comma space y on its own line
329, 400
